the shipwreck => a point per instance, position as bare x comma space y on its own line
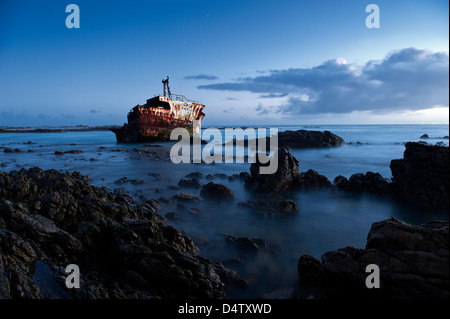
154, 120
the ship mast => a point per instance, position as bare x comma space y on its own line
166, 87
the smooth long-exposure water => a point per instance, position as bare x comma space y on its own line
327, 220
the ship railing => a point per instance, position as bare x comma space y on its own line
181, 98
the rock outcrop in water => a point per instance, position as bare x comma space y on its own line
369, 182
309, 139
422, 176
216, 192
124, 249
286, 177
413, 263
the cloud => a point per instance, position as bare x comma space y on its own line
201, 77
408, 79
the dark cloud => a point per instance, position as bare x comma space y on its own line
409, 79
201, 77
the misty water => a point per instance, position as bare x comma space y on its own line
327, 219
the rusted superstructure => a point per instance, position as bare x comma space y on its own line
154, 120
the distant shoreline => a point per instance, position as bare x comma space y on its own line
56, 129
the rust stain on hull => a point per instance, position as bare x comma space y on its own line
154, 120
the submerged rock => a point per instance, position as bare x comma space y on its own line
413, 263
195, 175
270, 208
216, 192
192, 183
9, 150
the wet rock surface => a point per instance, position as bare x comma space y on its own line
422, 176
124, 249
413, 263
287, 176
283, 179
369, 182
216, 192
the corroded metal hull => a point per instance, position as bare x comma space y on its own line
155, 120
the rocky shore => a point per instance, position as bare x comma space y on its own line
124, 249
413, 263
421, 178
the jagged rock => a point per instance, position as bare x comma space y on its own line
284, 178
369, 182
229, 277
422, 176
424, 136
312, 179
216, 192
125, 248
413, 263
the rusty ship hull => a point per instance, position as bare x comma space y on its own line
155, 120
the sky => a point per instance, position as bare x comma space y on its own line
251, 62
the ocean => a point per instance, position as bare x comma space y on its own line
327, 219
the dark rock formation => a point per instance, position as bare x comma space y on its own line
295, 139
271, 208
369, 182
9, 150
413, 263
195, 175
307, 139
312, 179
283, 179
230, 278
124, 249
121, 181
286, 177
244, 244
216, 192
191, 182
425, 136
422, 176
